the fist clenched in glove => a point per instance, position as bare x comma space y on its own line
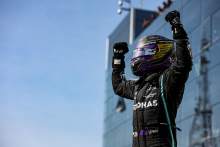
119, 49
173, 18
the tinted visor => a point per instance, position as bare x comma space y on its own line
149, 49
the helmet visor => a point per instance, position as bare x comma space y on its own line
149, 49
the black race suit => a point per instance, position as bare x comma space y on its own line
150, 128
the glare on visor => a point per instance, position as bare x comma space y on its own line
146, 50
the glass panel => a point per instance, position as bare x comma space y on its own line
165, 31
206, 40
176, 5
216, 27
195, 41
209, 7
214, 95
184, 2
191, 15
213, 55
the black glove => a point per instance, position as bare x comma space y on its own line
173, 18
119, 50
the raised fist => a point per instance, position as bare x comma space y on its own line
120, 48
173, 18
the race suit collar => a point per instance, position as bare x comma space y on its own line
149, 77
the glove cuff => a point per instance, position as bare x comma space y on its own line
118, 62
179, 32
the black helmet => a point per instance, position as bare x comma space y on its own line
153, 53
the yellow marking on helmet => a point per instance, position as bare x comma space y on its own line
164, 48
165, 45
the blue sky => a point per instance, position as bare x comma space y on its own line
52, 57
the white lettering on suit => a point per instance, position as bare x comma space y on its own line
150, 95
152, 103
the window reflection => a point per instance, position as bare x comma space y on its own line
191, 15
216, 27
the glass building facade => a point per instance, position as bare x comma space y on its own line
201, 19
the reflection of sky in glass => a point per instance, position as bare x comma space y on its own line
216, 27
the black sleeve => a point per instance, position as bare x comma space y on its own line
121, 86
177, 75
